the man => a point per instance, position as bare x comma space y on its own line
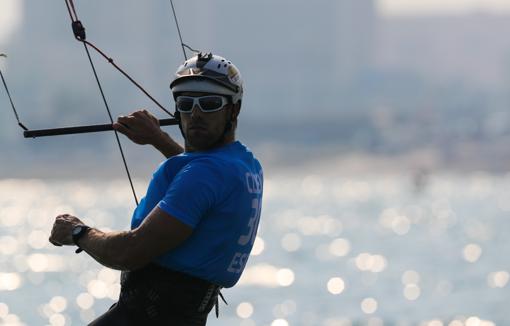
192, 233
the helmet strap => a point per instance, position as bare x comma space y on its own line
177, 116
228, 128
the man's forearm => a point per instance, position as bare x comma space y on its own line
167, 146
116, 250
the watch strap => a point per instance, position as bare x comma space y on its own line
84, 230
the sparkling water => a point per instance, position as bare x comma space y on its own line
331, 250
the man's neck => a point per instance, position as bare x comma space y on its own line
189, 148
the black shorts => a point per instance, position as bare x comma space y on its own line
155, 295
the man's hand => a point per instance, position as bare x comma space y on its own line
140, 126
143, 128
61, 234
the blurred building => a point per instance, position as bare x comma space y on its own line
470, 49
355, 44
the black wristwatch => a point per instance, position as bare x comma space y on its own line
78, 232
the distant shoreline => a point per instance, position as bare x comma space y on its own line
276, 162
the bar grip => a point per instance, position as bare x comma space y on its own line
83, 129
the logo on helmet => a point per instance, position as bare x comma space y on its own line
233, 75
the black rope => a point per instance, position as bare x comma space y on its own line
111, 120
10, 98
190, 48
79, 33
179, 32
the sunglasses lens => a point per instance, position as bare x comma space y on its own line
184, 104
211, 103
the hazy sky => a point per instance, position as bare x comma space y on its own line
10, 17
10, 10
426, 6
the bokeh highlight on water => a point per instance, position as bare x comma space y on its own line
331, 250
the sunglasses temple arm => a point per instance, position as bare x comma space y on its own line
83, 129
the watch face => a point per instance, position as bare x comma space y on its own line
77, 229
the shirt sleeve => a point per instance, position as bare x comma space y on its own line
194, 190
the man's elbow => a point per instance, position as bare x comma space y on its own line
134, 265
131, 261
134, 256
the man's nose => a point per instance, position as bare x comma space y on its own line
195, 111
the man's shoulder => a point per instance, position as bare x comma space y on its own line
231, 160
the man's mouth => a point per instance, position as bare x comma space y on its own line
197, 127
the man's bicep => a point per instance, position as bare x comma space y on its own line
159, 233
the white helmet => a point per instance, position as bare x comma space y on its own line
209, 73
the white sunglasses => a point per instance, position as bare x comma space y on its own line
207, 104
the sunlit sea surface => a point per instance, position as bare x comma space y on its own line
331, 251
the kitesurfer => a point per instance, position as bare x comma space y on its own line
192, 233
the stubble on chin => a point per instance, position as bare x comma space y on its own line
199, 142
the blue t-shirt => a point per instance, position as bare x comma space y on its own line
219, 194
